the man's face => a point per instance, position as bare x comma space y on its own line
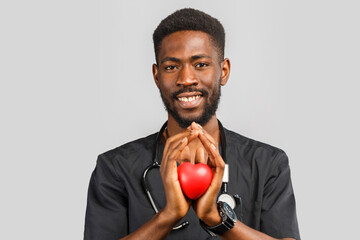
189, 75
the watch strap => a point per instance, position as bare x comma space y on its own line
206, 228
226, 222
221, 228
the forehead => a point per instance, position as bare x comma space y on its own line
184, 44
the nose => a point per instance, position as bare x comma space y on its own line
187, 77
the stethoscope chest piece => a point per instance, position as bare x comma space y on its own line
224, 196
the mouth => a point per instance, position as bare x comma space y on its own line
189, 100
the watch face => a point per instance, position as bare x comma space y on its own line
230, 212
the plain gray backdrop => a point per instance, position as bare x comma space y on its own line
76, 81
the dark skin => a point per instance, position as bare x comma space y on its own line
189, 58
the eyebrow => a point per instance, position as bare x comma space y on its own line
199, 56
174, 59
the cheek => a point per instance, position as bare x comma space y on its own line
210, 78
165, 89
166, 85
167, 79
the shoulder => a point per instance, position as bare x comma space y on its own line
253, 150
128, 154
132, 147
239, 140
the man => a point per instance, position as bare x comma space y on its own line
189, 72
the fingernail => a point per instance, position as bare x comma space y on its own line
183, 140
199, 126
213, 146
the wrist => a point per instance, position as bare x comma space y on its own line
172, 215
213, 218
166, 219
228, 220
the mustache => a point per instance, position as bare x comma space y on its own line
184, 90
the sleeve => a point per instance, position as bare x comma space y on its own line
106, 212
278, 213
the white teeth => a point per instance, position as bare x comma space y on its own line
188, 99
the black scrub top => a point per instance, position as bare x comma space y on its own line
259, 173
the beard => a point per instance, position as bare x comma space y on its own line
209, 110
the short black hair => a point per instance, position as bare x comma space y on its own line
193, 20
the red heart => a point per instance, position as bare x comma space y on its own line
194, 179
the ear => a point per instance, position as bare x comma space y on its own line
155, 71
225, 71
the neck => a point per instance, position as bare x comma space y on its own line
211, 127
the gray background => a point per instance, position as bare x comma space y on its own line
76, 81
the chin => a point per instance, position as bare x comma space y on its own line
191, 117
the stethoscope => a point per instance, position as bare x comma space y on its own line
224, 196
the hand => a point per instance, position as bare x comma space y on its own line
194, 152
177, 205
206, 206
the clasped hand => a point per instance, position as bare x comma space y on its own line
195, 141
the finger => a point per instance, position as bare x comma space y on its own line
207, 135
218, 173
171, 140
193, 125
171, 145
190, 134
185, 155
175, 149
173, 154
210, 148
219, 168
194, 133
201, 156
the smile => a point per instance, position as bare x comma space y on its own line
188, 99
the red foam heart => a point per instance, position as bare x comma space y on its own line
194, 179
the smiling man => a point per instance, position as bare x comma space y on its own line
135, 193
188, 58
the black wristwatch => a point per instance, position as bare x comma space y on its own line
228, 221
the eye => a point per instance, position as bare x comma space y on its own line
170, 67
201, 65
